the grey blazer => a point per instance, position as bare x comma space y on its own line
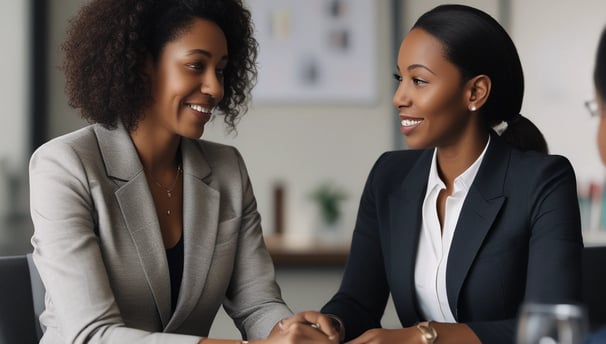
98, 247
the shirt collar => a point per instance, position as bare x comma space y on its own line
463, 181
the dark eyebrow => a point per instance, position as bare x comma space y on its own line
415, 66
204, 53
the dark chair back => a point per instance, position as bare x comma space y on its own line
594, 285
21, 300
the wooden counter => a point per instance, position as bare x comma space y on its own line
315, 253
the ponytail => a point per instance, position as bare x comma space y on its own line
521, 133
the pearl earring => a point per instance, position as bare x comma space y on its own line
473, 108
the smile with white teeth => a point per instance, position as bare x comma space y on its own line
200, 108
411, 122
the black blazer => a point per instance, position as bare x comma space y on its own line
518, 238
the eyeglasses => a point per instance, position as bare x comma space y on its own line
592, 107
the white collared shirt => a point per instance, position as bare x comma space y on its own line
434, 246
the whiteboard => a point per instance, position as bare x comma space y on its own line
315, 51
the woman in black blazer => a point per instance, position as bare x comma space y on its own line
468, 224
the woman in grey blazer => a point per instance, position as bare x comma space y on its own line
142, 230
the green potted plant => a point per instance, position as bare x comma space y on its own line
328, 198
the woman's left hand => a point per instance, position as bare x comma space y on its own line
409, 335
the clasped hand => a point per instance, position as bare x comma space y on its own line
307, 327
315, 327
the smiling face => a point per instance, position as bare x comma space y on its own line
432, 99
187, 81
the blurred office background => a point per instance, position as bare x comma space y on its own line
294, 146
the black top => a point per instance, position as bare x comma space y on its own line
175, 257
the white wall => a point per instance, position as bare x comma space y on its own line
305, 145
557, 40
15, 228
14, 88
415, 8
62, 118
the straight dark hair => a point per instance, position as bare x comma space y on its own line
599, 73
478, 45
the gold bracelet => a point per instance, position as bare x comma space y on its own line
430, 335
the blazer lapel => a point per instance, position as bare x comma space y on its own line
200, 223
405, 224
137, 207
482, 205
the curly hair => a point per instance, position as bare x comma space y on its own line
109, 41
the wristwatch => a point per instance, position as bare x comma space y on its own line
429, 333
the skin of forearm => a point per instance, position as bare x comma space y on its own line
455, 334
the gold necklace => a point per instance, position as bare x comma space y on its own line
169, 190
